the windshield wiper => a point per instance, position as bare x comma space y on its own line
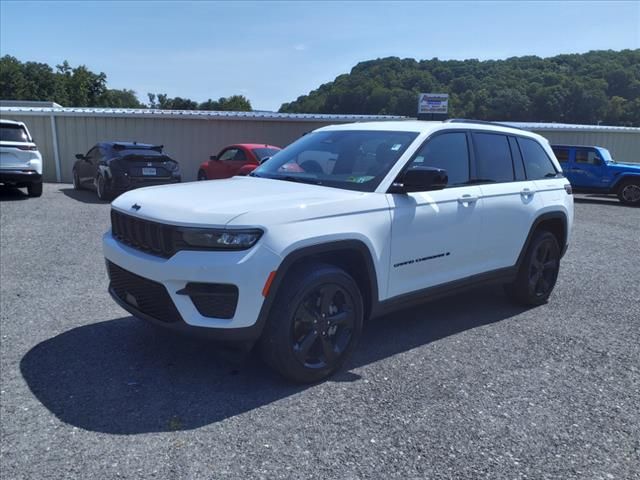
293, 178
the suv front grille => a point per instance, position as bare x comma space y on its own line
150, 237
147, 296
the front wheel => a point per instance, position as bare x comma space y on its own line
202, 175
314, 324
539, 271
629, 192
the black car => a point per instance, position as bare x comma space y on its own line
112, 168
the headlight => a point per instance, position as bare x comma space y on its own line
221, 239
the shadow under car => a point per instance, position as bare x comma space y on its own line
124, 376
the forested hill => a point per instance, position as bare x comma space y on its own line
598, 86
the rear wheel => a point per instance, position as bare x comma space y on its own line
202, 175
314, 324
76, 180
34, 189
103, 189
539, 271
629, 192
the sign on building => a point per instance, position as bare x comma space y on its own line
429, 103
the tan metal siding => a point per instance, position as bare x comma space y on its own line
188, 141
192, 140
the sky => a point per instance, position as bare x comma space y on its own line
273, 52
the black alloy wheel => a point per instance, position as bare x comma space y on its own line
323, 326
201, 175
543, 269
314, 323
538, 271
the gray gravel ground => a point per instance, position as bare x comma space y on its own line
465, 387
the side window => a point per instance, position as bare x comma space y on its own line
228, 154
562, 154
493, 157
536, 161
590, 157
92, 155
448, 151
240, 156
518, 165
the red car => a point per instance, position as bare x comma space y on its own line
240, 159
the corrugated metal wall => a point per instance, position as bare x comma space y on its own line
192, 141
624, 146
188, 141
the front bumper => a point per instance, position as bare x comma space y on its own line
248, 270
19, 176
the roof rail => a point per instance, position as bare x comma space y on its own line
480, 122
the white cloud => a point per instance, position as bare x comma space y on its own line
300, 47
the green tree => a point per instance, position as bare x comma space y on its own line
579, 88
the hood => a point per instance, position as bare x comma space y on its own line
625, 167
218, 202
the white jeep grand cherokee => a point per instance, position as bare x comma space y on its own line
348, 222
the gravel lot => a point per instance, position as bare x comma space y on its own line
465, 387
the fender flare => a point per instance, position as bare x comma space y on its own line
557, 215
309, 251
622, 177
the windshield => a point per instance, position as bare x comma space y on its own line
13, 133
350, 159
605, 155
262, 153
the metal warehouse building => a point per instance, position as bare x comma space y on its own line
192, 136
188, 136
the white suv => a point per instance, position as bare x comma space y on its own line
348, 222
20, 160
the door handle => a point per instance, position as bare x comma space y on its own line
467, 199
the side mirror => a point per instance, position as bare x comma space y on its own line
213, 157
421, 179
80, 156
264, 160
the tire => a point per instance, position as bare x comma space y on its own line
538, 273
102, 189
318, 309
76, 180
629, 192
202, 175
34, 189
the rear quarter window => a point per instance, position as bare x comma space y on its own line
493, 157
537, 163
14, 133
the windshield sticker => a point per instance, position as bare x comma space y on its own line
396, 147
363, 179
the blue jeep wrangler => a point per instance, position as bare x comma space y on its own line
592, 170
